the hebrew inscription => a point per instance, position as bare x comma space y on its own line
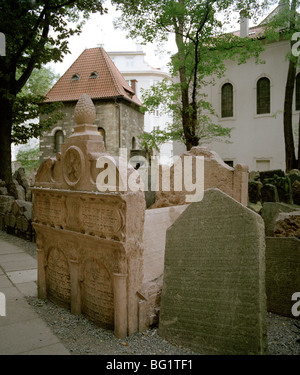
58, 278
98, 300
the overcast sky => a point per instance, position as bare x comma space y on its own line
99, 29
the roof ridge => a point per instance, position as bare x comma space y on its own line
109, 83
110, 70
114, 72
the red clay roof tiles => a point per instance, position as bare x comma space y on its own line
108, 84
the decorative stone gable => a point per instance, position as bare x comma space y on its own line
89, 241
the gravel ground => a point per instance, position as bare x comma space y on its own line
80, 336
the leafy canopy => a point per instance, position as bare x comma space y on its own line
27, 107
203, 46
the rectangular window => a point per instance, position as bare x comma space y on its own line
129, 63
262, 165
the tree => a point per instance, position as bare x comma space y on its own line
29, 159
202, 48
27, 107
36, 32
284, 25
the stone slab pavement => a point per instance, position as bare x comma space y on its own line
22, 331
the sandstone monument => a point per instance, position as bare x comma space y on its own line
100, 252
213, 297
217, 174
89, 243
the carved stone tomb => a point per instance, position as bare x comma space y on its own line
90, 252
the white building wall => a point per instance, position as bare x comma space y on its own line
133, 66
256, 140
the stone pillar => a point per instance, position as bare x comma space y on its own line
42, 289
120, 305
75, 287
240, 184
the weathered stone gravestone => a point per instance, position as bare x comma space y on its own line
282, 273
213, 297
216, 174
89, 242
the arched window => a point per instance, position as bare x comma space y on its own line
298, 92
58, 140
133, 143
102, 132
263, 96
227, 100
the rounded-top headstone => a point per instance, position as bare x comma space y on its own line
85, 112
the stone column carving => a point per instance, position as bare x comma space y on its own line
75, 287
42, 288
120, 305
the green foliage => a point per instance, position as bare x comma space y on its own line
202, 49
28, 107
29, 159
36, 33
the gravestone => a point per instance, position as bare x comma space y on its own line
269, 193
216, 174
287, 224
213, 297
270, 212
89, 239
282, 273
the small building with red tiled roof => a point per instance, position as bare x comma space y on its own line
118, 115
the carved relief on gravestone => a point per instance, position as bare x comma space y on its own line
96, 263
73, 165
58, 278
97, 292
103, 217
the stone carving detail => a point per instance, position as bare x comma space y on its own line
85, 112
51, 209
58, 278
98, 299
102, 219
98, 234
73, 164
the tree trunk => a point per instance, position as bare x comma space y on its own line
298, 167
5, 139
189, 119
290, 157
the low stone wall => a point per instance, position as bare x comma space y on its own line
282, 273
16, 207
